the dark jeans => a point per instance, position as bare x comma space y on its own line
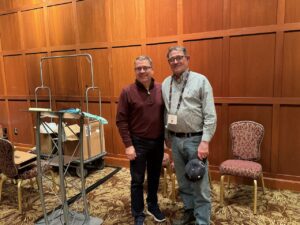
149, 154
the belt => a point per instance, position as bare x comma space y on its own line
185, 135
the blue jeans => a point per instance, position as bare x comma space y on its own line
195, 195
149, 154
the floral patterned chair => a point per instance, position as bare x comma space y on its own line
9, 170
246, 139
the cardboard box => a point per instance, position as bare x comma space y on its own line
46, 144
93, 132
47, 132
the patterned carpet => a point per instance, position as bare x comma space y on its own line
110, 201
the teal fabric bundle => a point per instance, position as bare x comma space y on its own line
86, 114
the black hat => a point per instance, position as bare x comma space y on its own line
195, 169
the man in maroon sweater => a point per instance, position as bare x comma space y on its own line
141, 125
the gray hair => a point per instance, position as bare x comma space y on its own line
142, 58
177, 48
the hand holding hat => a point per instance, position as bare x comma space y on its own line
195, 169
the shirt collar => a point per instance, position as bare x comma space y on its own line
181, 77
140, 85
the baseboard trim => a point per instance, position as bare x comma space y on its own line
114, 161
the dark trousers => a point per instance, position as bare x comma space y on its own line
149, 155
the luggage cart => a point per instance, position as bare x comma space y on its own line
63, 214
95, 161
56, 157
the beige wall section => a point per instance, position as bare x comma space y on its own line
249, 50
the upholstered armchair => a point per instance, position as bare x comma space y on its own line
246, 137
10, 170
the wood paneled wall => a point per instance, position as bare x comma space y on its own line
249, 50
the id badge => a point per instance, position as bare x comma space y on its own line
172, 119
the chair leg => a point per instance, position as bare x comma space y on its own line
173, 193
262, 182
3, 179
255, 197
209, 179
228, 181
20, 195
222, 190
165, 183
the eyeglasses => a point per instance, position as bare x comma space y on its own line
145, 68
177, 58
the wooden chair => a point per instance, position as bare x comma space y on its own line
246, 139
168, 171
10, 170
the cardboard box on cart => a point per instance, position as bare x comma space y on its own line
48, 132
93, 132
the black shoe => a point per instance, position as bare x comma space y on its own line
139, 220
187, 218
156, 214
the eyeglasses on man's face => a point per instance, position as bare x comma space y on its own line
177, 58
142, 68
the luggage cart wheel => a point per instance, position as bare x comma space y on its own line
85, 172
99, 164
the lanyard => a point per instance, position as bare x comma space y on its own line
182, 90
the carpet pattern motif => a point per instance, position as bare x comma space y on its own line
111, 202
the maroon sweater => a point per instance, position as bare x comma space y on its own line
140, 113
